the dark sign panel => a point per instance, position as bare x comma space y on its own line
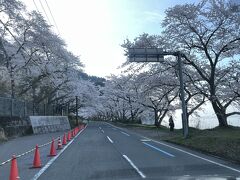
145, 55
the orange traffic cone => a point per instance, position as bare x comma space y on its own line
52, 150
68, 136
59, 144
14, 169
37, 160
64, 141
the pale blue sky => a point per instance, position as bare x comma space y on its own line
94, 29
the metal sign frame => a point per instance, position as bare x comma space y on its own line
157, 55
145, 55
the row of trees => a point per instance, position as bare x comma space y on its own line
208, 34
35, 64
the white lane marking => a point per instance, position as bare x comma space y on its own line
101, 129
114, 129
199, 157
110, 139
134, 166
125, 133
114, 126
145, 140
191, 154
36, 176
164, 152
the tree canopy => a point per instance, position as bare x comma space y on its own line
208, 35
35, 62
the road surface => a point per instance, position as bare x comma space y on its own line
104, 152
21, 145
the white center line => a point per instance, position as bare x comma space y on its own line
110, 139
102, 131
125, 133
134, 166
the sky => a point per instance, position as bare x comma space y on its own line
95, 29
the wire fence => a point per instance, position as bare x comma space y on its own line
18, 108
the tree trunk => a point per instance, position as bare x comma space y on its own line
156, 118
221, 115
132, 116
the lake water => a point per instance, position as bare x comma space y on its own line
206, 119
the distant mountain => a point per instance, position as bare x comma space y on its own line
98, 81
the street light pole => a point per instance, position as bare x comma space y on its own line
182, 96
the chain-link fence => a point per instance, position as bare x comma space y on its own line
18, 108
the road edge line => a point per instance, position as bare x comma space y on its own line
125, 133
197, 156
183, 151
27, 152
49, 163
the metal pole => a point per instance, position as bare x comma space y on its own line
44, 109
25, 109
61, 110
12, 107
33, 110
77, 110
184, 107
53, 110
67, 108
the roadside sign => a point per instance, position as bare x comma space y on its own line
145, 55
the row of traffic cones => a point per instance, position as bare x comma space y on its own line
14, 175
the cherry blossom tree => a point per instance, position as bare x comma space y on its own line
208, 35
35, 60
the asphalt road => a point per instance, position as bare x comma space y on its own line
21, 145
103, 151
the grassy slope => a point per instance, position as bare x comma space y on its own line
222, 142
